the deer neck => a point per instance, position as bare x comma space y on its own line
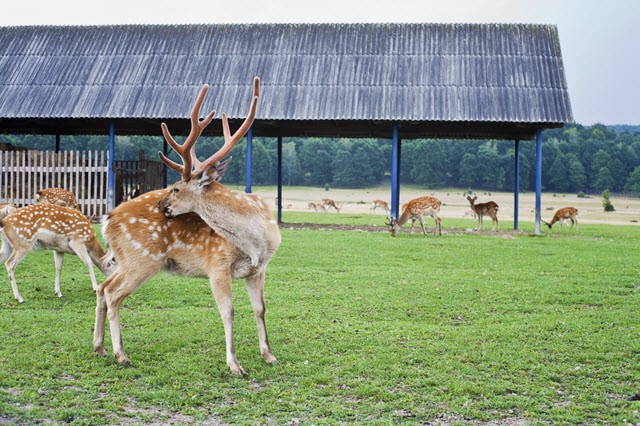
404, 217
244, 220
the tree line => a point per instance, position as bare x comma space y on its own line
575, 158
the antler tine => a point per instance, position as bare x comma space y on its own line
187, 149
231, 140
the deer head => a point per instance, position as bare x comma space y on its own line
195, 174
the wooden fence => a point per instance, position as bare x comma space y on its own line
85, 173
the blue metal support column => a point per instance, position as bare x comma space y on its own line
516, 189
247, 188
395, 173
111, 180
279, 199
538, 179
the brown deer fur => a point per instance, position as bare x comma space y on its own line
197, 228
50, 227
489, 208
563, 213
416, 209
58, 196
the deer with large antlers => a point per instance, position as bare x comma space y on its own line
198, 227
416, 209
50, 227
490, 208
562, 214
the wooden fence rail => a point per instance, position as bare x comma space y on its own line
85, 173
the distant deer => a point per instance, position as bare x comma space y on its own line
198, 227
58, 196
315, 207
380, 204
416, 209
562, 214
328, 202
489, 208
50, 227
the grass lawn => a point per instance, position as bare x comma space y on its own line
495, 328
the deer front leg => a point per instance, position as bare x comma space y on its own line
255, 288
221, 288
58, 258
413, 222
424, 231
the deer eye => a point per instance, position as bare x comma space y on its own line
176, 190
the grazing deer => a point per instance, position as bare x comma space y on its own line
57, 196
50, 227
198, 227
416, 209
328, 202
315, 207
489, 208
562, 214
380, 204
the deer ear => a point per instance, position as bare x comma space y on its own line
221, 168
214, 172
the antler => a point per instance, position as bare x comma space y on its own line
187, 150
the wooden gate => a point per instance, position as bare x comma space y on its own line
137, 177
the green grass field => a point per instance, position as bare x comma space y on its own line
506, 329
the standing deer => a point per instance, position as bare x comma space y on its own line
380, 204
57, 196
416, 209
50, 227
489, 208
562, 214
198, 227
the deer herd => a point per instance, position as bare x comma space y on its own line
197, 227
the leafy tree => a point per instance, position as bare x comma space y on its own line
290, 164
603, 179
606, 201
559, 174
633, 182
576, 174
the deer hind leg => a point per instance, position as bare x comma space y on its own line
58, 258
81, 251
12, 262
438, 230
255, 288
221, 288
109, 297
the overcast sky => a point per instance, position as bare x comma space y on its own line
600, 39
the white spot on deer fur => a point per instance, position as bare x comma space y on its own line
154, 235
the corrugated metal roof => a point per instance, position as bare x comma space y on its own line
492, 73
